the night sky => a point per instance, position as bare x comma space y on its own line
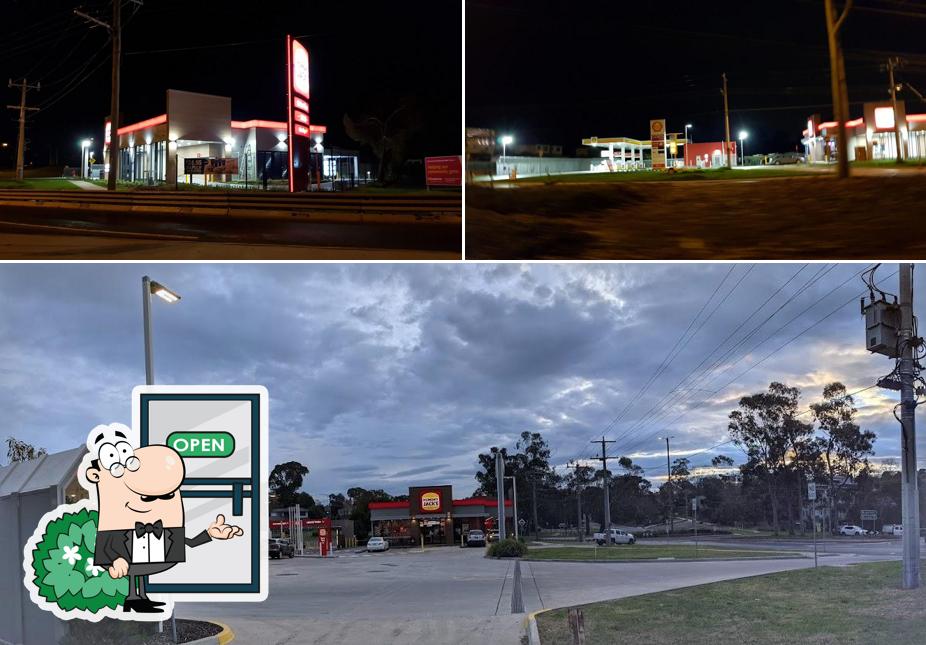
555, 72
364, 56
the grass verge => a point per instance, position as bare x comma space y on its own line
649, 552
39, 183
847, 605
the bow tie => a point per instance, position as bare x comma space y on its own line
157, 528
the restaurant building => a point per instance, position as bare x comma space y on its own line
432, 513
869, 137
200, 126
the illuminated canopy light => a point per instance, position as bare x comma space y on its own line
141, 125
884, 118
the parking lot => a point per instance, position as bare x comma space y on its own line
447, 594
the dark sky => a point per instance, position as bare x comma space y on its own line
386, 376
363, 56
555, 72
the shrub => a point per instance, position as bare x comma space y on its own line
508, 548
63, 569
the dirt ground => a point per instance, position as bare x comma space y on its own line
793, 218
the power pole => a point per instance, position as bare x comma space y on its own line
670, 520
607, 487
726, 120
838, 82
21, 146
115, 32
909, 492
891, 64
534, 503
579, 511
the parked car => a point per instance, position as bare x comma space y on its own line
851, 529
492, 536
279, 548
475, 538
377, 544
781, 158
893, 529
617, 537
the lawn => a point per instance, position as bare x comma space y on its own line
847, 605
679, 175
649, 552
38, 183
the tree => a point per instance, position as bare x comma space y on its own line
285, 480
18, 451
360, 499
766, 426
387, 136
844, 449
336, 503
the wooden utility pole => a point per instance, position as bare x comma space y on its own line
838, 82
21, 145
726, 119
891, 64
607, 489
909, 493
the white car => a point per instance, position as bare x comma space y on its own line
377, 544
617, 537
851, 529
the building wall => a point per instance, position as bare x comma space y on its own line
527, 166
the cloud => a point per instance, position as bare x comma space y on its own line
386, 375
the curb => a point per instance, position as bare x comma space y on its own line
670, 560
222, 638
533, 633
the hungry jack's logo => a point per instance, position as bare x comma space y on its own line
90, 560
430, 502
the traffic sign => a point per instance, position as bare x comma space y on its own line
811, 491
869, 515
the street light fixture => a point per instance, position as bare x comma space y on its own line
506, 140
742, 137
148, 288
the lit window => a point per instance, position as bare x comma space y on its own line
884, 118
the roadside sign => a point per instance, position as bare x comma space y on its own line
657, 135
811, 491
443, 171
869, 515
221, 433
209, 166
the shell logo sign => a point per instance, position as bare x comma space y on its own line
430, 502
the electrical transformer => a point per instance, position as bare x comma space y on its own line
882, 323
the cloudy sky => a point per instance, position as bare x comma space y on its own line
386, 376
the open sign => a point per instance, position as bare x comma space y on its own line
202, 444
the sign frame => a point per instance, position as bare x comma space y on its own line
657, 135
256, 590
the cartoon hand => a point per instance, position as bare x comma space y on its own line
119, 568
219, 530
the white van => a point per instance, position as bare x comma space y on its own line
893, 529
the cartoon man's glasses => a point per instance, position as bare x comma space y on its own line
117, 458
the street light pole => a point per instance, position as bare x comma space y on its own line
909, 492
149, 287
687, 141
514, 491
670, 522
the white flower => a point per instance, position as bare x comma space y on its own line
94, 570
71, 555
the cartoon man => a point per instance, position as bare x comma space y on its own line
141, 526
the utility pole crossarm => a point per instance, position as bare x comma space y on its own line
843, 15
96, 21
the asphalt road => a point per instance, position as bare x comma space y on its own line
451, 595
48, 233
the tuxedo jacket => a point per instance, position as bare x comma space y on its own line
112, 545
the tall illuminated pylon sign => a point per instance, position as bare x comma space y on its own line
297, 59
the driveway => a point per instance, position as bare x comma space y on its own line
446, 595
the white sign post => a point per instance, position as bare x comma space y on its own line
812, 496
222, 434
657, 135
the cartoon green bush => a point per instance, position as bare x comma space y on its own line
64, 570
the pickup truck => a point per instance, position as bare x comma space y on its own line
617, 537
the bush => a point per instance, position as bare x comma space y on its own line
63, 570
508, 548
